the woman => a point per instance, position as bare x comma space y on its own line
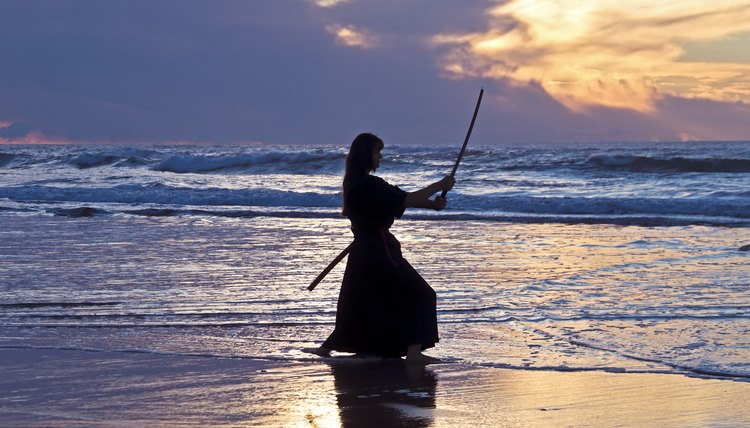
385, 307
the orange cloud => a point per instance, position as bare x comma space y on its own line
605, 52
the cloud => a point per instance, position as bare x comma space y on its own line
604, 52
329, 3
348, 35
291, 71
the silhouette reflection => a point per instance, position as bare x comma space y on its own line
384, 394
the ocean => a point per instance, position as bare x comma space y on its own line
617, 257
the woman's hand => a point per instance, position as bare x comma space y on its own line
446, 183
421, 198
439, 203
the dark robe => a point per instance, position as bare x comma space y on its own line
384, 304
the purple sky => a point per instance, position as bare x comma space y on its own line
283, 71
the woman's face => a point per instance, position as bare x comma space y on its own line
376, 156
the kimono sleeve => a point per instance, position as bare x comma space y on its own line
388, 198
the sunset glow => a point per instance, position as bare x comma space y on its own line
606, 53
35, 138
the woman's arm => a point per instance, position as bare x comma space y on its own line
421, 198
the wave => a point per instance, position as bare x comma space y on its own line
670, 164
716, 372
709, 372
700, 368
88, 160
120, 157
156, 193
6, 158
10, 160
477, 161
304, 160
157, 199
287, 162
36, 305
76, 212
619, 220
725, 194
605, 206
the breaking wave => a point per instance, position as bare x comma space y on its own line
287, 162
163, 200
672, 164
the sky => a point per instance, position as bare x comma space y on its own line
321, 71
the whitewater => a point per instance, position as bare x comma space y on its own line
618, 257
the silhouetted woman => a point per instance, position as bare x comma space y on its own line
385, 307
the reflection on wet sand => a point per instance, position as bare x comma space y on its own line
384, 394
52, 387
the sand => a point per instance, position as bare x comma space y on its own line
52, 387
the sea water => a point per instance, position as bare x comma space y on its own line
618, 257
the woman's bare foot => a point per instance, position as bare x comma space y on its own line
414, 355
319, 351
422, 359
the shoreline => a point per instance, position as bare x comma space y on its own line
43, 387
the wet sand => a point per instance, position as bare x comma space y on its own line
50, 387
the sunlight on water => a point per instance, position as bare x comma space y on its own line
509, 295
312, 402
600, 397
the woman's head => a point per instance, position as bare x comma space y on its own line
364, 154
363, 158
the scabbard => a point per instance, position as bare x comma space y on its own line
328, 268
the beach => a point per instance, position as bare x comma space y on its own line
77, 388
182, 333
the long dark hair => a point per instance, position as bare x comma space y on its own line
359, 161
